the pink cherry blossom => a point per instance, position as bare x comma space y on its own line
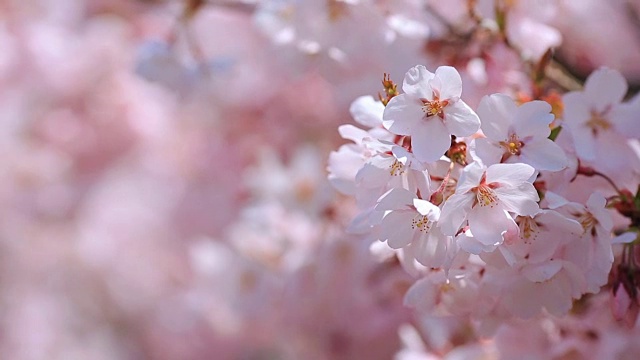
517, 134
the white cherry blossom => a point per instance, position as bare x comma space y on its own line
430, 111
409, 222
486, 196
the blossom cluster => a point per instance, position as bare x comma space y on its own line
476, 204
165, 192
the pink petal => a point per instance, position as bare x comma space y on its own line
605, 87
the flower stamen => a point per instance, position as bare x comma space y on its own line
513, 145
422, 223
598, 122
397, 168
434, 107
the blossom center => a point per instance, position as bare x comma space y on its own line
598, 122
529, 228
513, 145
434, 107
485, 196
397, 168
588, 222
422, 223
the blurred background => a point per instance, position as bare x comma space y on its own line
164, 190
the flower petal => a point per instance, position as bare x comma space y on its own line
366, 111
544, 155
509, 174
448, 83
402, 114
605, 87
488, 224
430, 140
521, 200
460, 120
487, 152
396, 229
532, 119
454, 212
496, 112
416, 82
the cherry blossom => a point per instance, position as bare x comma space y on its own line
430, 110
517, 134
486, 197
596, 112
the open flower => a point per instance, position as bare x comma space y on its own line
430, 111
409, 223
518, 133
486, 197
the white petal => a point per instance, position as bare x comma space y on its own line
544, 155
496, 112
541, 272
426, 208
422, 295
470, 177
521, 200
472, 245
487, 224
396, 229
430, 140
366, 111
554, 200
487, 152
372, 175
625, 238
605, 87
402, 114
532, 119
416, 82
352, 133
460, 119
509, 174
454, 212
394, 199
430, 249
449, 83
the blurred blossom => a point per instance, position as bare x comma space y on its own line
229, 179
